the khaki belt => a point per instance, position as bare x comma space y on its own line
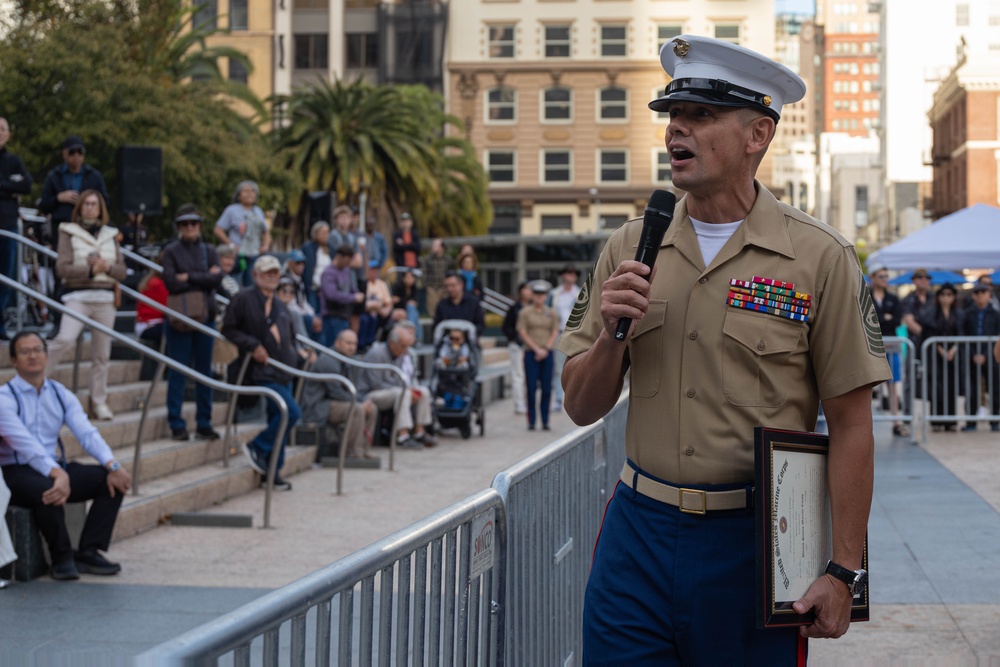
689, 501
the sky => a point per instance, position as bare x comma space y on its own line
795, 6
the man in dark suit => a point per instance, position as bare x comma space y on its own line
982, 320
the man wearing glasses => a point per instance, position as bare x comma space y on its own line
33, 410
64, 184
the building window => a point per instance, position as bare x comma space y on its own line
860, 205
613, 221
613, 166
613, 104
362, 50
207, 15
506, 219
238, 14
557, 104
659, 115
237, 71
501, 105
557, 223
665, 32
613, 44
501, 41
500, 166
962, 14
729, 32
661, 169
311, 51
557, 41
557, 166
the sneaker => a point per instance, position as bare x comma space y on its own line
545, 427
206, 433
531, 427
93, 562
179, 434
556, 406
103, 412
425, 439
254, 458
4, 583
65, 571
280, 484
520, 409
409, 442
969, 427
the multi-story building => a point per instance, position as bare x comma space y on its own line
793, 150
553, 95
965, 120
920, 50
851, 66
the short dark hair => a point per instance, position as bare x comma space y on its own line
451, 273
345, 249
24, 334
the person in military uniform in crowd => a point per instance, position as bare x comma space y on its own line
673, 572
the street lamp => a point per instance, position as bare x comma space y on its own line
594, 192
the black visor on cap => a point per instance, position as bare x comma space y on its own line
711, 91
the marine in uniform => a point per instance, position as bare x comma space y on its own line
777, 319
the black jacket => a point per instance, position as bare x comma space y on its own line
399, 248
14, 181
467, 309
991, 327
57, 181
510, 324
247, 327
194, 259
890, 313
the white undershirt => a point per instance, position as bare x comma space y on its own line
712, 236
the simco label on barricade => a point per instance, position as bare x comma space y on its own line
483, 532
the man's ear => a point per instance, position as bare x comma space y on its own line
760, 132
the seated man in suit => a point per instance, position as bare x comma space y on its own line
32, 411
330, 402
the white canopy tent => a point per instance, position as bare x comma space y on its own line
966, 239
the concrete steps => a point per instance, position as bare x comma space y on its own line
176, 476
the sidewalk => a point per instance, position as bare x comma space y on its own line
934, 536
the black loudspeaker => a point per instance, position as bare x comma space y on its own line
140, 179
320, 207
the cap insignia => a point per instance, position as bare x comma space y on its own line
681, 48
767, 100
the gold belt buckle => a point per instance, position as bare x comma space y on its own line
695, 492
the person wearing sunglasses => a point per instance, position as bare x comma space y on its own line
63, 185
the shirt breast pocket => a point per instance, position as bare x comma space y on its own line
757, 365
646, 350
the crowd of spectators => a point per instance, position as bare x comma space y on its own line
959, 368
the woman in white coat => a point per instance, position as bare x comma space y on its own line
90, 264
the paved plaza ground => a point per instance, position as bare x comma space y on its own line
934, 540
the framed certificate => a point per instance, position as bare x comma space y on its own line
794, 529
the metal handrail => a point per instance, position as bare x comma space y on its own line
231, 410
330, 352
498, 297
187, 371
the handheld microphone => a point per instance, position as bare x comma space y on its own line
659, 212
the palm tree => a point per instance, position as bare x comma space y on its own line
342, 134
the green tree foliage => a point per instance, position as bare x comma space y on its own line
115, 73
393, 139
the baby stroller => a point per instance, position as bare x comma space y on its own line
453, 383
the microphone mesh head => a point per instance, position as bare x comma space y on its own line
662, 200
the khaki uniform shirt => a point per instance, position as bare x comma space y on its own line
705, 373
538, 324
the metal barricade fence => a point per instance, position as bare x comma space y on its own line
960, 383
437, 592
426, 595
555, 502
901, 355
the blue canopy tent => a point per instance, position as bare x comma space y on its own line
937, 278
966, 239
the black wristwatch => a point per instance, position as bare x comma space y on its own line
856, 580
